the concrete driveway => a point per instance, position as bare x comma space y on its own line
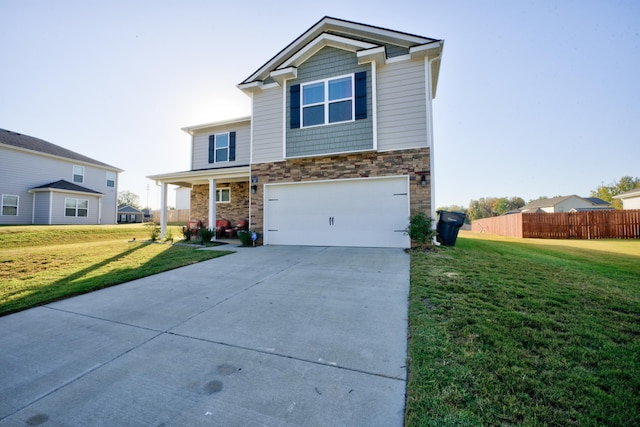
275, 335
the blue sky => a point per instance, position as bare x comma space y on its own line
535, 98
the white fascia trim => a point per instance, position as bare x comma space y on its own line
425, 50
60, 190
324, 40
399, 58
192, 129
283, 74
222, 173
250, 87
376, 54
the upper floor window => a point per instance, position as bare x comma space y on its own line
334, 100
10, 205
327, 101
223, 195
76, 207
111, 179
222, 147
78, 174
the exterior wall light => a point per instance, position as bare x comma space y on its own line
254, 189
423, 181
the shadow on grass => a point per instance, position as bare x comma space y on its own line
73, 285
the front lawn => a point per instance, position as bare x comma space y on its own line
40, 264
525, 332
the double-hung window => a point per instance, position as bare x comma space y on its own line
327, 101
9, 205
334, 100
76, 207
223, 195
111, 179
78, 174
222, 147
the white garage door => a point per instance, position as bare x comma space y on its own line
368, 212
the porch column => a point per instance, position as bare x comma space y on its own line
163, 209
212, 204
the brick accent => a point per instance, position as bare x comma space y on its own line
236, 210
413, 163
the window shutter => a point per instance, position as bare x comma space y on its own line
294, 92
232, 146
212, 148
361, 95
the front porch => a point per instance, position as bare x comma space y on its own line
216, 194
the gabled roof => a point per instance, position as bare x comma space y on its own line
628, 194
368, 41
66, 186
31, 143
545, 203
596, 201
129, 209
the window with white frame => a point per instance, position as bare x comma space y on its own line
10, 205
76, 207
111, 179
222, 147
327, 101
223, 195
78, 174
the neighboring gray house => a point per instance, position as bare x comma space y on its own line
571, 203
338, 149
129, 214
43, 183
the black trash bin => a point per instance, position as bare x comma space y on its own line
448, 225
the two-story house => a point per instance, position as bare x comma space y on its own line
338, 149
43, 183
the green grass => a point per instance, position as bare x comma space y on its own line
41, 264
525, 332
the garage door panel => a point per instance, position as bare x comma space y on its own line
362, 212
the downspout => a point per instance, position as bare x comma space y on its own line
431, 144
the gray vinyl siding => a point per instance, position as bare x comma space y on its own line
200, 151
267, 125
21, 171
41, 208
334, 138
401, 102
58, 209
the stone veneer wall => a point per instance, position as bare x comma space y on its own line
413, 163
236, 210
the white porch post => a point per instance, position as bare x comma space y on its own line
163, 209
212, 204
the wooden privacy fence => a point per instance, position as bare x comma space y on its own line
605, 224
173, 215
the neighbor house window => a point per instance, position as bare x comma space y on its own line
223, 195
78, 174
335, 100
9, 205
222, 147
111, 179
76, 207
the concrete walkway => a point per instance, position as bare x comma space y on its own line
270, 336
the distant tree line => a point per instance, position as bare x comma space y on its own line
487, 207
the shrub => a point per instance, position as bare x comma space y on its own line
245, 237
206, 234
420, 230
154, 230
168, 236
